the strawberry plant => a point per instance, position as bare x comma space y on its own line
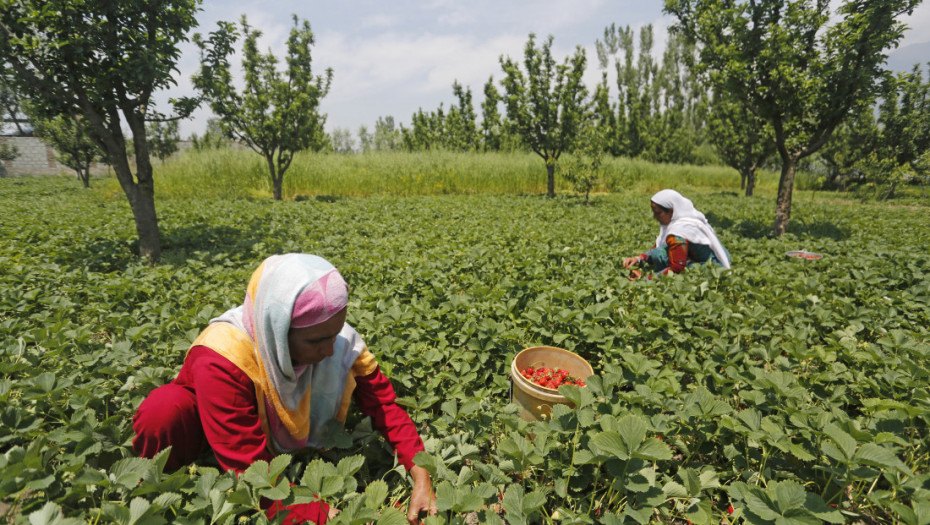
780, 391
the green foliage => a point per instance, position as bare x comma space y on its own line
786, 64
584, 171
101, 61
71, 139
10, 103
741, 138
213, 137
276, 114
791, 390
163, 138
546, 101
8, 151
660, 109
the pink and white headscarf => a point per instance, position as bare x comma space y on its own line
295, 291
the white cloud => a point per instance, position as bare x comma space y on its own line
403, 55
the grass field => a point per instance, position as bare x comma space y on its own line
242, 173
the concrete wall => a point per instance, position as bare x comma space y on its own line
35, 158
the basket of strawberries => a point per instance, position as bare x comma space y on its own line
538, 372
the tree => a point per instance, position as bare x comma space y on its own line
10, 102
546, 102
386, 136
342, 141
276, 114
584, 169
903, 131
791, 67
163, 138
491, 117
71, 139
213, 137
849, 144
101, 61
7, 152
461, 130
364, 139
740, 138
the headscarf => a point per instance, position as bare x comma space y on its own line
285, 291
688, 223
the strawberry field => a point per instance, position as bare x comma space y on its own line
786, 391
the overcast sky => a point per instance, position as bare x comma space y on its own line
391, 58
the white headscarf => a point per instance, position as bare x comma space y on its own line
688, 223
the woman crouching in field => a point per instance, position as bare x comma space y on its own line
244, 390
685, 238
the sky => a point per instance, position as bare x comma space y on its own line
392, 58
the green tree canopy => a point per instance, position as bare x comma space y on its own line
546, 101
71, 139
163, 138
101, 61
740, 137
791, 66
277, 113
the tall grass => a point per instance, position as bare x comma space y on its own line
234, 173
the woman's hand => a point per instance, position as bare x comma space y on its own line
422, 499
630, 262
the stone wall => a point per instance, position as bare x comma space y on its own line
35, 158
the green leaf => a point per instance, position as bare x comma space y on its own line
257, 475
512, 503
845, 442
50, 514
879, 456
278, 464
654, 450
350, 465
632, 430
611, 444
392, 517
138, 508
375, 494
787, 495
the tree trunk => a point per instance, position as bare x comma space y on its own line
789, 167
550, 170
83, 175
742, 181
750, 182
890, 193
141, 197
143, 211
275, 178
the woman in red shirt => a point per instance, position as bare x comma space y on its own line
245, 388
685, 238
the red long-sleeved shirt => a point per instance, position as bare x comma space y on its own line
228, 410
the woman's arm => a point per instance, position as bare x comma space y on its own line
375, 397
677, 254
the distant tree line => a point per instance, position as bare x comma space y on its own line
743, 83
